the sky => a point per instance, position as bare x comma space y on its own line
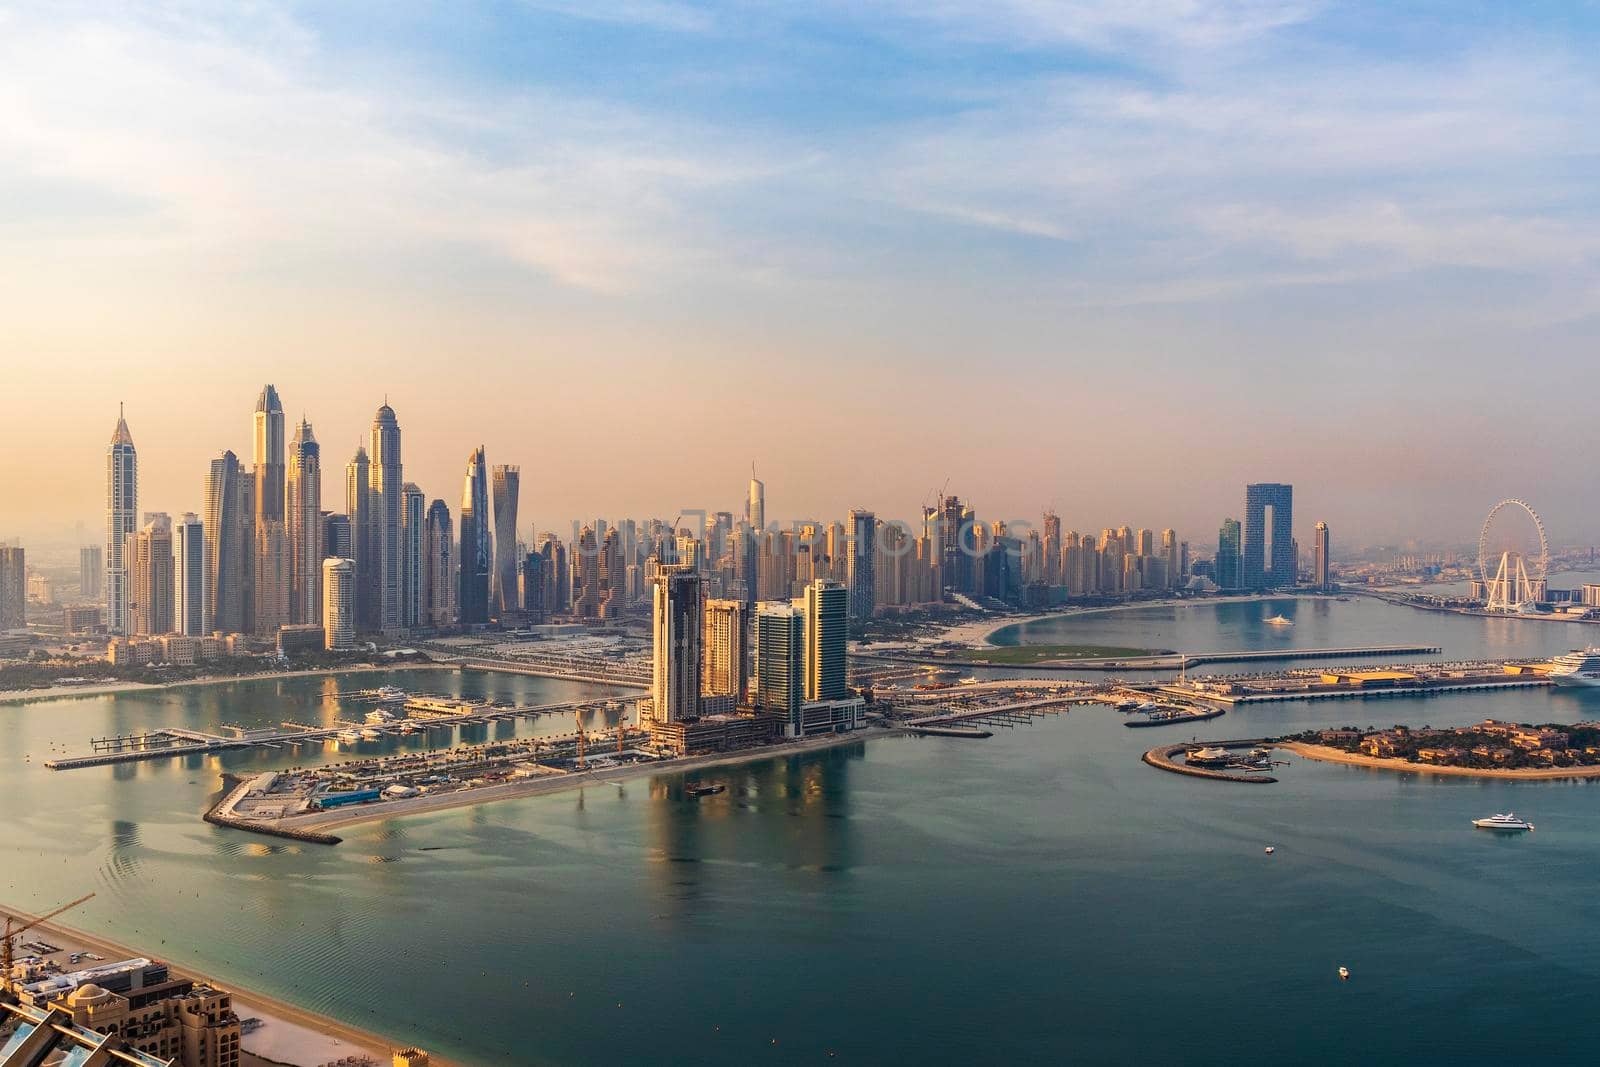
1118, 259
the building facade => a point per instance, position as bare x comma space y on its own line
1268, 553
228, 556
303, 509
338, 603
476, 557
189, 576
13, 587
678, 635
122, 518
505, 481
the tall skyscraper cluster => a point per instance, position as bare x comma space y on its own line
1262, 553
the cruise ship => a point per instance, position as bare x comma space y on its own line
1578, 667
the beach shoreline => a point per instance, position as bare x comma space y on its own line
324, 822
293, 1036
1324, 754
979, 633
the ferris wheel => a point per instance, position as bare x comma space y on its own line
1513, 557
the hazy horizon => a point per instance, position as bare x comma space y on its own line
1116, 261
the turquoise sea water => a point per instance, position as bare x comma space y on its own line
1040, 896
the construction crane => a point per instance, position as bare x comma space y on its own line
13, 931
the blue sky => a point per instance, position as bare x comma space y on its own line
1135, 254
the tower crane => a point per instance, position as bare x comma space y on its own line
13, 931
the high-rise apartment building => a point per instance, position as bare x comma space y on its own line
338, 603
1169, 552
414, 594
122, 517
1226, 568
678, 631
439, 567
613, 576
1268, 554
228, 553
304, 520
827, 635
270, 593
533, 588
780, 653
13, 587
337, 539
189, 576
860, 576
505, 482
476, 557
1319, 558
91, 571
358, 508
385, 502
727, 653
148, 556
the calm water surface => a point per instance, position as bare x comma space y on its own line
1037, 896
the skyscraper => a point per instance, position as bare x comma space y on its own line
271, 573
755, 508
439, 567
727, 653
827, 625
338, 603
91, 571
122, 517
148, 556
1268, 553
413, 557
358, 508
1169, 550
780, 651
385, 502
189, 577
678, 630
476, 557
506, 480
1319, 558
586, 575
303, 507
336, 538
613, 576
228, 556
1226, 570
13, 588
859, 574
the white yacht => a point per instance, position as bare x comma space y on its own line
1507, 821
1280, 620
1578, 667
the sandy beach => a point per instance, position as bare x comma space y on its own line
289, 1035
1334, 755
532, 787
981, 631
16, 696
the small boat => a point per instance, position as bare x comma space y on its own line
1279, 620
969, 680
349, 737
1270, 849
1506, 822
698, 791
1344, 974
369, 734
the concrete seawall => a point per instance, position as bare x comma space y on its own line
233, 791
1161, 758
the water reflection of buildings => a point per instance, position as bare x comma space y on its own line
789, 816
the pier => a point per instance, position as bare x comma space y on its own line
431, 713
1162, 661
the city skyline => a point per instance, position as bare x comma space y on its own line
1267, 208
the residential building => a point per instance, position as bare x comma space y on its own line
305, 526
1226, 567
386, 503
1268, 554
358, 511
476, 557
91, 571
228, 545
727, 653
506, 481
122, 516
859, 574
270, 577
1319, 558
780, 653
414, 594
678, 634
13, 588
189, 576
338, 603
439, 568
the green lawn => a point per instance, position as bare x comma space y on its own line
1039, 653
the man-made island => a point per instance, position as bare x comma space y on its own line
1491, 749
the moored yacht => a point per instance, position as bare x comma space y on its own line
1578, 667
